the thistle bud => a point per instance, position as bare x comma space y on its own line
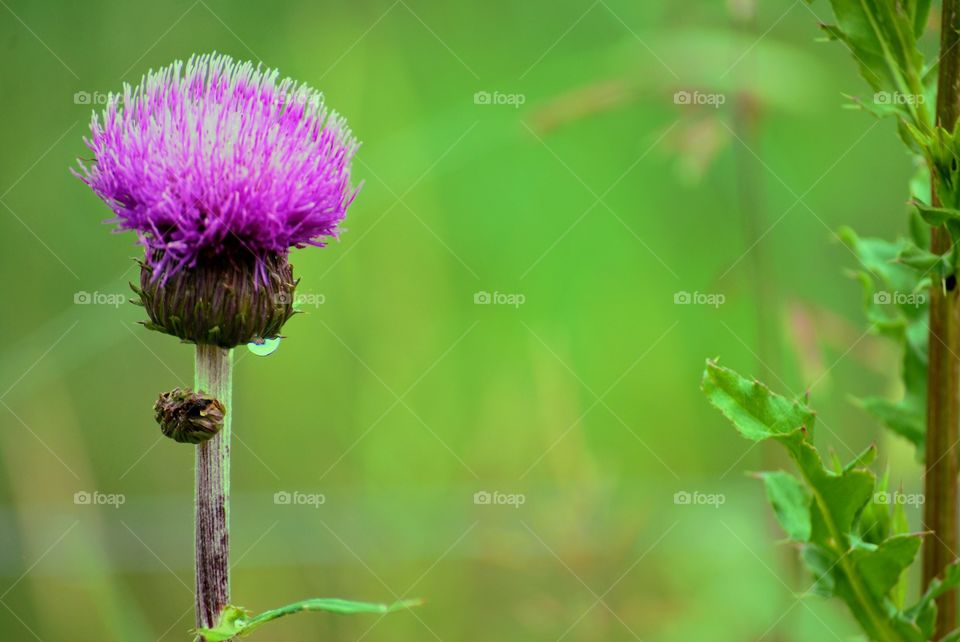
188, 417
225, 301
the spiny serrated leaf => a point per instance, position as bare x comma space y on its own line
755, 411
882, 37
896, 305
863, 574
839, 499
882, 567
879, 258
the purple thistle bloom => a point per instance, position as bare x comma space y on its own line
219, 157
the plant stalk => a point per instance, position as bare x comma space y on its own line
943, 369
214, 374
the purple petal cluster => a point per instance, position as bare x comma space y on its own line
217, 158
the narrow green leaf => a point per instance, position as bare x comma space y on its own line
237, 622
791, 503
906, 419
864, 459
921, 12
895, 298
924, 261
937, 216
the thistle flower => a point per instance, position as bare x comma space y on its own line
220, 168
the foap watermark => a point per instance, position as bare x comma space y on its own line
499, 298
301, 299
699, 298
898, 498
897, 98
99, 298
916, 299
696, 498
96, 498
499, 98
496, 498
297, 498
683, 97
90, 98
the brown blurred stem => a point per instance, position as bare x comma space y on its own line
214, 370
746, 125
943, 370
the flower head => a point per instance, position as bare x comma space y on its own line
220, 159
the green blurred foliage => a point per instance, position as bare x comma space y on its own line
598, 199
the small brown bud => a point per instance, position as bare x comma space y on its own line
187, 416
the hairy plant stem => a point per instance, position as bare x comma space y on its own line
943, 369
214, 374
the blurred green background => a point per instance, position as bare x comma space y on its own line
580, 181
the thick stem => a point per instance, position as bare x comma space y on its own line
214, 369
943, 370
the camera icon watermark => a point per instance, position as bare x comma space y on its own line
898, 98
915, 299
714, 100
83, 297
300, 299
699, 298
499, 98
96, 498
297, 498
496, 498
90, 98
696, 498
898, 498
515, 299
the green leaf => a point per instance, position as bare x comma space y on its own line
864, 459
902, 417
937, 216
837, 503
920, 11
237, 622
752, 408
882, 567
924, 612
883, 40
791, 503
232, 622
926, 262
896, 304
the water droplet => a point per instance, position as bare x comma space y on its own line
265, 347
